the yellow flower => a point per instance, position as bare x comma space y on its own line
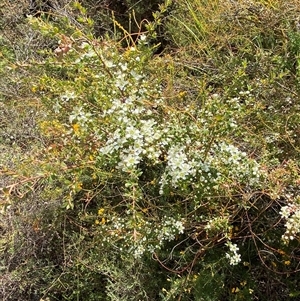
243, 283
76, 128
78, 186
182, 94
235, 290
100, 211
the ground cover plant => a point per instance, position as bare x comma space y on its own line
129, 173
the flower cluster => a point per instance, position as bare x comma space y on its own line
240, 166
217, 224
138, 132
291, 213
134, 131
179, 166
154, 237
139, 236
233, 256
80, 116
169, 228
134, 140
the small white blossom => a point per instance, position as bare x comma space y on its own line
57, 107
132, 133
233, 256
129, 161
143, 37
68, 95
109, 64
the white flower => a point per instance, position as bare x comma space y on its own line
139, 251
57, 107
121, 82
179, 167
136, 76
143, 37
235, 259
68, 95
179, 226
130, 161
233, 256
133, 133
109, 64
123, 66
285, 212
233, 248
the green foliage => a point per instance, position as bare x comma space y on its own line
171, 177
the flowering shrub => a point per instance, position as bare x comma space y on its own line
167, 176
